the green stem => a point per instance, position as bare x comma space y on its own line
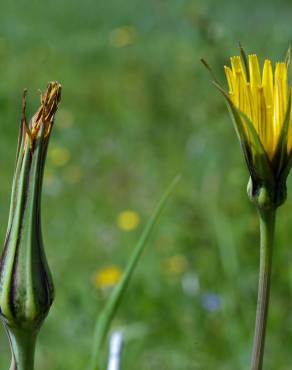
22, 344
267, 227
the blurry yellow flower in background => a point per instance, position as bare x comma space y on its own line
107, 277
122, 36
48, 176
128, 220
176, 265
59, 156
65, 119
72, 174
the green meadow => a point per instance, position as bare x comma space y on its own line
137, 108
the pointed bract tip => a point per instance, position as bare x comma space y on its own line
207, 66
46, 112
288, 57
51, 99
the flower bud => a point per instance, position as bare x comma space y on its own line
26, 287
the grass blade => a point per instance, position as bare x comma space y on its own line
107, 314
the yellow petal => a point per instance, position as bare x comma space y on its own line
289, 139
280, 97
268, 82
254, 71
255, 83
265, 127
240, 89
237, 66
230, 79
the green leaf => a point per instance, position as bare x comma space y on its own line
107, 314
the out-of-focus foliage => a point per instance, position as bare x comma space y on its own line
137, 108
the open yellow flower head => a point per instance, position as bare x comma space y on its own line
259, 100
263, 97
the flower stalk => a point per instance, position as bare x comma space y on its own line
267, 227
22, 345
26, 286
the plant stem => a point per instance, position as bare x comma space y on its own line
22, 344
267, 226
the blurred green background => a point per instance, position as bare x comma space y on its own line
137, 108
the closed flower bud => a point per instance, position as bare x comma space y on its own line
26, 287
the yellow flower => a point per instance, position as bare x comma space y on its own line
128, 220
260, 107
107, 277
59, 156
262, 97
73, 174
176, 265
122, 36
